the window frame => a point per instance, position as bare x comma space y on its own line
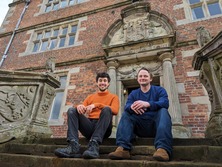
205, 8
63, 107
59, 33
52, 5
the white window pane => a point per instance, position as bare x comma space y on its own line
57, 105
56, 6
47, 34
36, 47
48, 8
63, 81
79, 1
194, 1
44, 45
64, 3
39, 36
62, 42
73, 29
71, 40
71, 2
197, 13
53, 43
214, 8
64, 31
56, 32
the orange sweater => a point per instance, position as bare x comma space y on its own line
101, 100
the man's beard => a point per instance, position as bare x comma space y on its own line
144, 85
103, 90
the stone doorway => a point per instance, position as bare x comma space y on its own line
143, 38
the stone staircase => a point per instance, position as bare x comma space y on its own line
39, 153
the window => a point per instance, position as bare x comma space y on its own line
205, 8
57, 102
55, 38
57, 4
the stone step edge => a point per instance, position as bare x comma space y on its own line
205, 153
37, 161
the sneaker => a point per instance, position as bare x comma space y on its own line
71, 151
161, 155
93, 150
119, 154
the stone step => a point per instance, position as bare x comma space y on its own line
186, 153
8, 160
189, 153
137, 141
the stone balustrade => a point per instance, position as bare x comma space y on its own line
25, 102
209, 61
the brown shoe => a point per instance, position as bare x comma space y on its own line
119, 154
161, 155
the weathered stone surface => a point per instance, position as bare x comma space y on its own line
25, 100
209, 61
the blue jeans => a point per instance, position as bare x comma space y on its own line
150, 124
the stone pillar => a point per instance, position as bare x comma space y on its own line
179, 131
112, 66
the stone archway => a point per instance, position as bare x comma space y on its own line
143, 38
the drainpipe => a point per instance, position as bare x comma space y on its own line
27, 2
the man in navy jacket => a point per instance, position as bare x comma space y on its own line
145, 115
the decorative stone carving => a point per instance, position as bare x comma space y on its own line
15, 102
209, 61
25, 100
130, 72
203, 36
50, 65
139, 25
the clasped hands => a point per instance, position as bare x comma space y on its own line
140, 106
85, 109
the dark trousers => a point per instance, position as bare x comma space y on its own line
96, 129
151, 124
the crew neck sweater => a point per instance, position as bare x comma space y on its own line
101, 100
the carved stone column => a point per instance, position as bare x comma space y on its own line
179, 131
112, 66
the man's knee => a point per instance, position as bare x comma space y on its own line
164, 112
71, 111
106, 111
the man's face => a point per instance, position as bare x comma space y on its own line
102, 84
143, 78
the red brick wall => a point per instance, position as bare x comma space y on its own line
97, 24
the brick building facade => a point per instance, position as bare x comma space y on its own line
88, 36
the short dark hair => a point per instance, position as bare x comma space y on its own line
103, 75
144, 68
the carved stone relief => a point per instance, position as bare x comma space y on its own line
130, 71
25, 99
138, 28
15, 102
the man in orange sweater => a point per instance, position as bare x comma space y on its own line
100, 107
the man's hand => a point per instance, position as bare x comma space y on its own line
89, 108
81, 109
140, 106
